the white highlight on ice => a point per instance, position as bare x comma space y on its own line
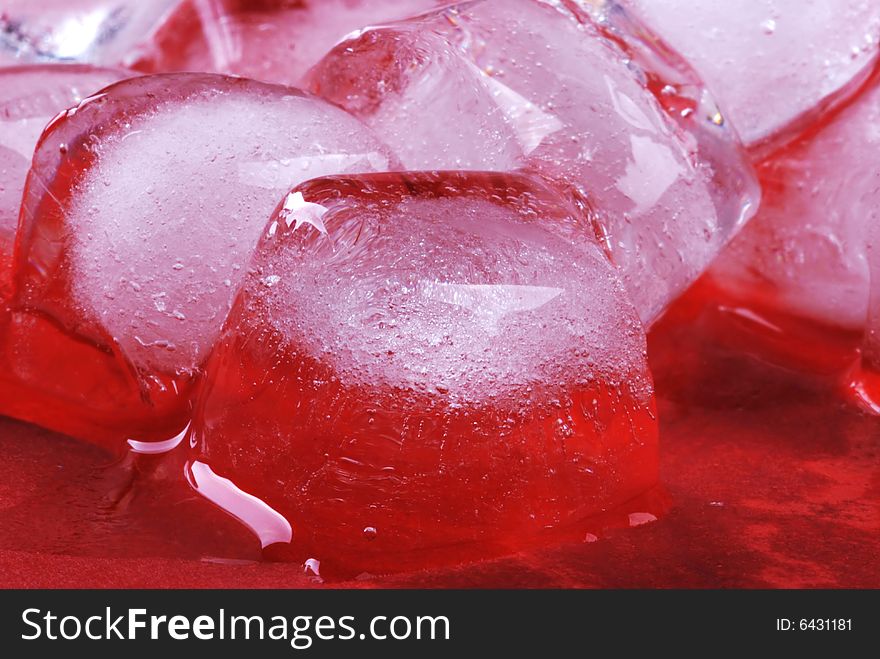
297, 209
491, 302
267, 524
155, 448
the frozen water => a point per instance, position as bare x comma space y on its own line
160, 234
583, 100
805, 252
145, 202
871, 348
436, 358
864, 378
29, 97
271, 40
770, 62
93, 31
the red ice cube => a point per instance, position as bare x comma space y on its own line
29, 97
586, 98
271, 40
772, 64
422, 368
804, 254
864, 381
140, 213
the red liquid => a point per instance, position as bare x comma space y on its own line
756, 327
66, 382
774, 483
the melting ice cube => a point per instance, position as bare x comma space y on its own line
584, 99
138, 228
450, 369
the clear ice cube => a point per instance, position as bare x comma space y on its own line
804, 254
29, 97
270, 40
771, 63
583, 98
93, 31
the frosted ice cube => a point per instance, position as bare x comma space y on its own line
804, 254
864, 378
770, 62
424, 367
29, 97
140, 215
271, 40
583, 99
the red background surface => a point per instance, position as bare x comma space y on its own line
773, 478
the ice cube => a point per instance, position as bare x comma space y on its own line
271, 40
94, 31
423, 367
871, 349
583, 99
29, 97
864, 379
771, 63
140, 214
804, 254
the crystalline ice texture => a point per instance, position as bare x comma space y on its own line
871, 348
805, 252
770, 62
422, 367
140, 215
584, 100
29, 97
271, 40
94, 31
864, 379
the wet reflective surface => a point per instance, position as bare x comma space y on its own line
773, 480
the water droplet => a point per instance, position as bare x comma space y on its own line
370, 533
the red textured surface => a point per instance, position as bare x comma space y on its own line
774, 482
